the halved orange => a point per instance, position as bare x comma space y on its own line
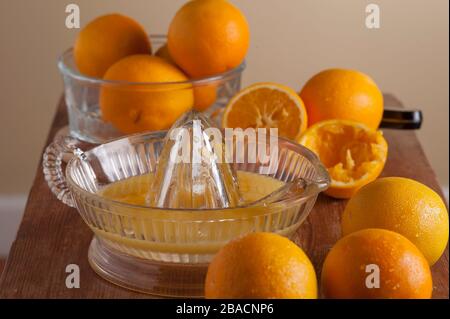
353, 154
267, 105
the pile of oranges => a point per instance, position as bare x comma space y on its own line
205, 38
336, 114
396, 224
393, 228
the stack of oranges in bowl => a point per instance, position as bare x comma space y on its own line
205, 38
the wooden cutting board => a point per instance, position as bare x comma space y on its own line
52, 235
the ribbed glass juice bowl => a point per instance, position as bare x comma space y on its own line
82, 95
166, 251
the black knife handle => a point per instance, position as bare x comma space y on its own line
401, 119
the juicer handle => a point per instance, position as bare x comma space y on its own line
56, 156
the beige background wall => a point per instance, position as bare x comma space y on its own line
291, 40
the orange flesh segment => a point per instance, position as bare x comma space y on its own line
267, 107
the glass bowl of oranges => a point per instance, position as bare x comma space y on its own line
101, 109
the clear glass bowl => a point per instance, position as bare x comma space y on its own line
82, 95
166, 251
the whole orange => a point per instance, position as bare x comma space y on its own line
204, 95
402, 205
134, 108
208, 37
261, 265
106, 40
375, 263
343, 94
163, 52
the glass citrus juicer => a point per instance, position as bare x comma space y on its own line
160, 210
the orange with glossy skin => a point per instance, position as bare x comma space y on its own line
404, 206
343, 94
106, 40
138, 108
261, 265
353, 154
207, 37
204, 95
403, 270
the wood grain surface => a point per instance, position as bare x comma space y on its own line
52, 235
2, 265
